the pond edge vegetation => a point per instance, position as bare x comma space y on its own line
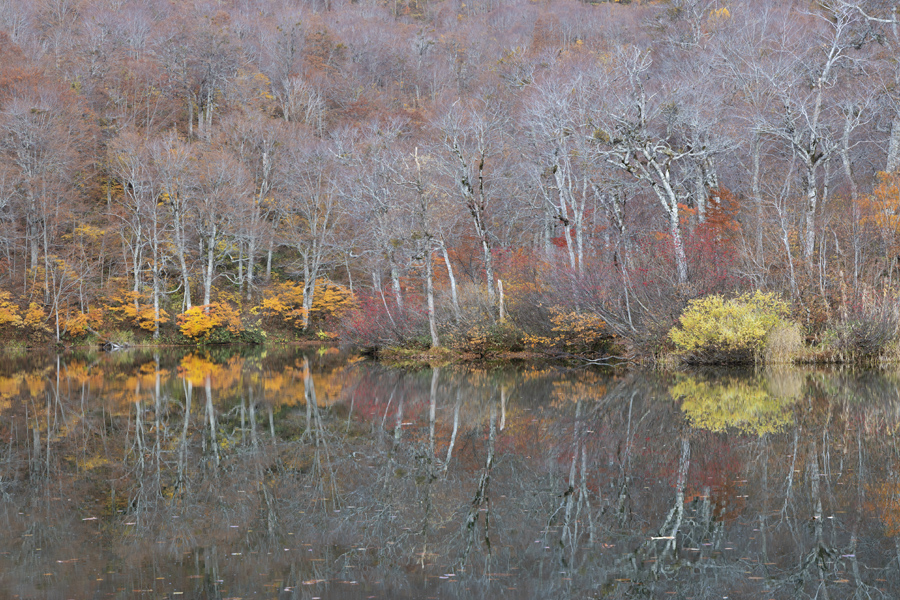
751, 328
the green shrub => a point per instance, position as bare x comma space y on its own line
715, 330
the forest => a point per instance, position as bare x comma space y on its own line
556, 175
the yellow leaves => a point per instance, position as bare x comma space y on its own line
199, 321
578, 329
748, 405
882, 207
35, 318
9, 312
536, 341
272, 305
713, 324
80, 323
92, 462
89, 232
330, 299
284, 302
573, 330
122, 308
720, 15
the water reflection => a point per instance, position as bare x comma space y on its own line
749, 402
313, 474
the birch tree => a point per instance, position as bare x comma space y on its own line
807, 120
634, 134
473, 144
312, 211
173, 163
221, 183
557, 122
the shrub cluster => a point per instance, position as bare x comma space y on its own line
716, 330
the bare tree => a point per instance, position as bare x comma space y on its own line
473, 143
173, 161
806, 118
636, 135
221, 184
312, 210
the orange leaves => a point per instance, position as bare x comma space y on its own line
330, 299
199, 322
284, 302
881, 207
35, 318
81, 323
125, 308
9, 312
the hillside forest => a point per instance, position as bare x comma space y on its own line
479, 174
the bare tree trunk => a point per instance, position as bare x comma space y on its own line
269, 259
251, 254
155, 247
756, 149
678, 243
210, 267
854, 191
893, 156
182, 261
395, 285
488, 266
309, 289
429, 292
453, 297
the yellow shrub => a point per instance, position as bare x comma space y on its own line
331, 299
713, 325
199, 321
35, 318
121, 310
80, 323
578, 330
285, 302
573, 330
9, 311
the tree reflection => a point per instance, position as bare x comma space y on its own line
755, 404
218, 474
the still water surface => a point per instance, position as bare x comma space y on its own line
286, 473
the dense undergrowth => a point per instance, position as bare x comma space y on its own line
544, 312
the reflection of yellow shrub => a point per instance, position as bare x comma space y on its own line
743, 404
738, 327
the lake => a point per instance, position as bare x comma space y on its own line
301, 473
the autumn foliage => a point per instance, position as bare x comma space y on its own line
202, 323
